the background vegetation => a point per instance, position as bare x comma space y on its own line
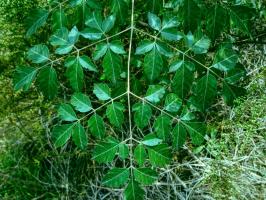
230, 166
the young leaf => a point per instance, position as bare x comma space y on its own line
81, 102
133, 191
114, 112
179, 136
112, 64
140, 154
23, 77
153, 64
36, 19
142, 114
105, 151
172, 103
154, 21
102, 91
38, 54
159, 155
155, 93
96, 126
145, 176
116, 177
61, 134
48, 82
162, 126
66, 113
79, 136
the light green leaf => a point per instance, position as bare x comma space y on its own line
179, 136
116, 177
60, 37
117, 47
162, 126
81, 102
73, 35
36, 19
114, 113
145, 176
175, 65
142, 114
153, 64
151, 140
61, 134
75, 75
79, 136
140, 154
112, 64
171, 34
100, 51
24, 77
108, 23
39, 53
154, 21
144, 47
91, 33
64, 49
197, 131
86, 63
48, 82
133, 191
155, 93
66, 113
170, 22
202, 45
159, 155
163, 49
102, 91
105, 151
172, 103
96, 126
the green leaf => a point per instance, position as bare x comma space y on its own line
96, 126
155, 93
60, 37
65, 49
217, 19
36, 19
133, 191
105, 151
154, 6
112, 64
61, 134
108, 23
162, 126
159, 155
91, 33
81, 102
114, 113
75, 75
140, 154
163, 49
191, 15
179, 136
66, 113
39, 53
175, 65
183, 80
100, 51
172, 103
145, 176
236, 74
117, 47
225, 58
197, 131
144, 47
123, 151
94, 20
170, 22
102, 91
48, 82
73, 35
59, 19
24, 77
120, 9
231, 92
205, 92
79, 136
202, 45
142, 114
86, 63
151, 140
116, 177
171, 34
154, 21
153, 64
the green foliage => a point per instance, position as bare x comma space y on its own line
178, 78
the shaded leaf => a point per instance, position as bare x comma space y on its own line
179, 136
133, 191
142, 114
24, 77
162, 126
159, 155
79, 136
61, 134
96, 126
36, 19
116, 177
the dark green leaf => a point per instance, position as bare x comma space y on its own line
36, 19
59, 19
159, 155
112, 64
179, 136
117, 47
81, 102
108, 23
142, 114
116, 177
145, 176
197, 131
114, 112
75, 76
153, 64
144, 47
96, 126
120, 9
123, 151
24, 77
155, 93
102, 91
191, 15
162, 126
231, 92
133, 191
39, 53
100, 51
172, 103
140, 154
61, 134
79, 136
86, 63
66, 113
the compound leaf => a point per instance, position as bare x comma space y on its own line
155, 93
61, 134
142, 114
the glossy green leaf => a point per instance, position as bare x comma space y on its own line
79, 136
142, 114
100, 51
91, 33
162, 126
144, 46
154, 21
24, 77
171, 34
81, 102
159, 155
155, 93
117, 47
145, 176
108, 23
153, 64
61, 134
151, 140
36, 19
73, 35
66, 113
96, 126
39, 53
140, 154
102, 91
179, 136
60, 37
116, 177
172, 103
114, 113
86, 63
75, 76
202, 45
133, 191
94, 20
